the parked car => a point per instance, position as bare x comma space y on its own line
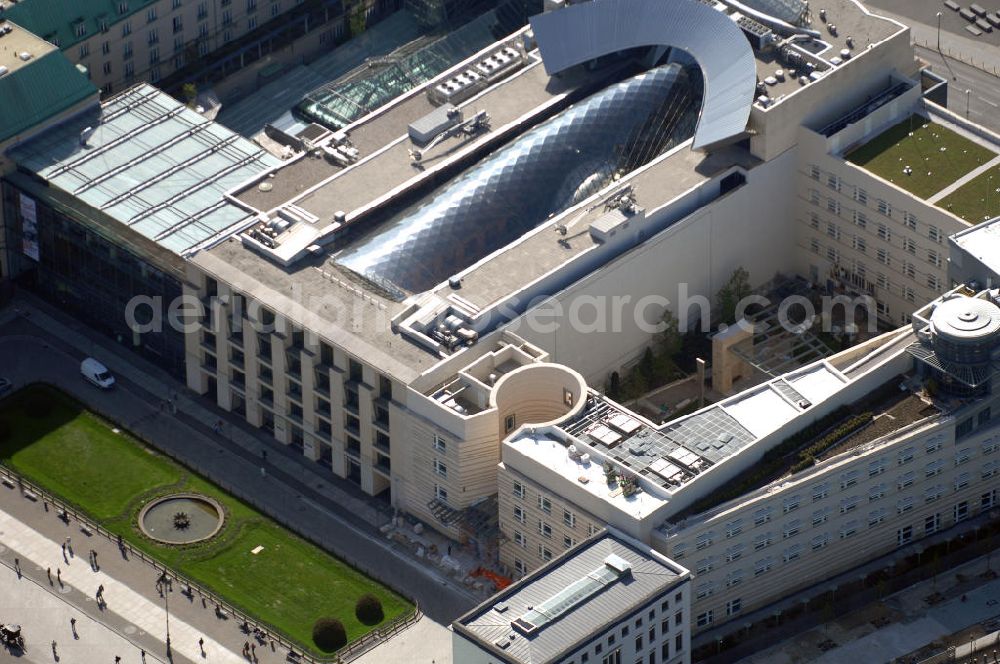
5, 385
97, 373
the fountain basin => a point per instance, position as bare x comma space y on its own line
184, 518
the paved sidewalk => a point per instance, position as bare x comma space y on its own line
33, 532
425, 642
915, 625
45, 617
978, 53
74, 575
293, 491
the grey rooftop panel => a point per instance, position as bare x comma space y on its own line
579, 33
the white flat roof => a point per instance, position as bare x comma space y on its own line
554, 456
817, 382
761, 411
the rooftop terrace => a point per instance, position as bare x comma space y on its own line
920, 156
848, 29
977, 200
15, 40
38, 81
896, 413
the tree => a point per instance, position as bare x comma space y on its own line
37, 405
358, 19
368, 610
614, 385
647, 365
729, 296
190, 91
634, 385
329, 634
671, 339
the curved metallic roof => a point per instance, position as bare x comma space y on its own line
543, 172
576, 34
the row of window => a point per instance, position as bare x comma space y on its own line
850, 478
904, 535
882, 232
883, 256
544, 504
908, 219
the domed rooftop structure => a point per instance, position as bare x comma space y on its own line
966, 320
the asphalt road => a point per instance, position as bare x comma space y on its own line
28, 353
925, 11
982, 103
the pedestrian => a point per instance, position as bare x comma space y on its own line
45, 504
48, 573
93, 556
201, 644
59, 575
253, 652
100, 590
54, 650
118, 659
142, 654
17, 567
64, 549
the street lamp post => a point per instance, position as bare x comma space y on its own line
166, 608
968, 94
939, 32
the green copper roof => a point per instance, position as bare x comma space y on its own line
34, 93
57, 21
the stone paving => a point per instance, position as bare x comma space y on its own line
294, 491
33, 533
45, 617
915, 623
37, 343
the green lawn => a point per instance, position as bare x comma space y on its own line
108, 475
977, 200
937, 156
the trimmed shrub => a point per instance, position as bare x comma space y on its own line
37, 405
368, 610
329, 634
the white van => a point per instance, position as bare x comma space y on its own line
97, 373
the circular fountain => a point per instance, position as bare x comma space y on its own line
181, 518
